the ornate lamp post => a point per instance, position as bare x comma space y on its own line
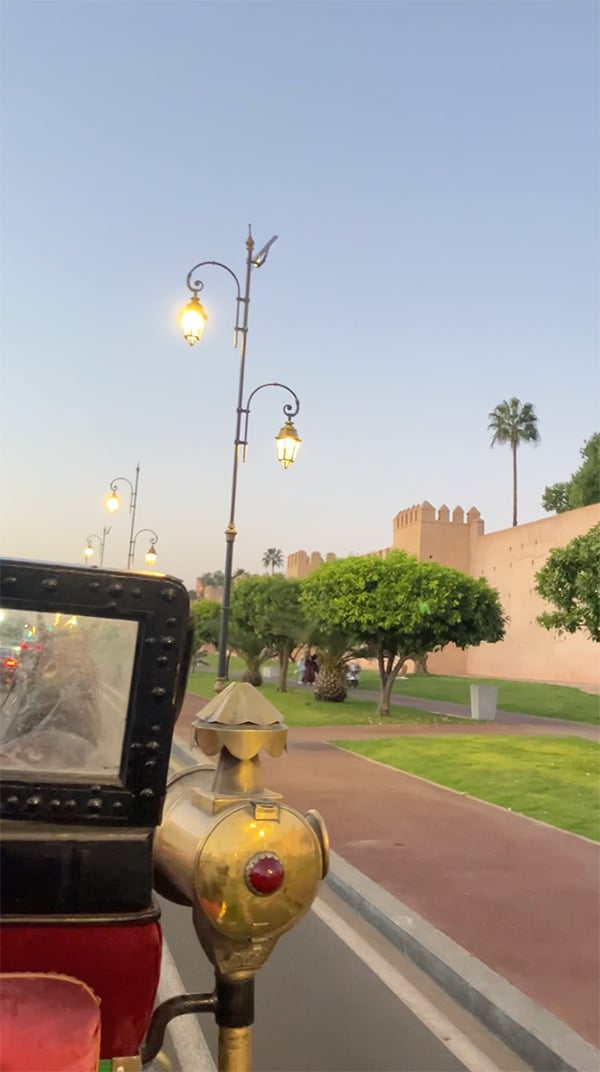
193, 318
113, 503
89, 550
150, 555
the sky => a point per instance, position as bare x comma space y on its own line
432, 172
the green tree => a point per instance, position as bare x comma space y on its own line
514, 422
400, 608
569, 579
266, 622
583, 488
556, 498
205, 615
273, 557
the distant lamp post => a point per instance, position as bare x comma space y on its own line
113, 503
89, 550
193, 319
151, 554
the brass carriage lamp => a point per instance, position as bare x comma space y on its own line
288, 443
193, 319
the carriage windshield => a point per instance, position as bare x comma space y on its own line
64, 692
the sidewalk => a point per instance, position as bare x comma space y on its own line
522, 897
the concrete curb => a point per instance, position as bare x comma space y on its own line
538, 1037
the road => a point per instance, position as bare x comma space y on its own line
336, 997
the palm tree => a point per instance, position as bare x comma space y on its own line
273, 557
514, 422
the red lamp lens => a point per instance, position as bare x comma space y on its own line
264, 873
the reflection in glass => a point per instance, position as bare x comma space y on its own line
64, 692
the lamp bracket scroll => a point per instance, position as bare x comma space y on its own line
290, 409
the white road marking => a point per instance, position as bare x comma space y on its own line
439, 1025
186, 1035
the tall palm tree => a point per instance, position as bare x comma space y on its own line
273, 557
514, 422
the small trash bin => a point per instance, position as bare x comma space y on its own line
484, 701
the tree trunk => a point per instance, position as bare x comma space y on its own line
388, 675
331, 684
284, 660
514, 454
252, 673
383, 707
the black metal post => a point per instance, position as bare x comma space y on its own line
231, 531
132, 508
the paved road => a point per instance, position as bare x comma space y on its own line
321, 1008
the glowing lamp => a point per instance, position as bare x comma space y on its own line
288, 443
113, 502
150, 555
192, 320
88, 551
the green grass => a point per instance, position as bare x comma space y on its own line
550, 701
554, 779
299, 707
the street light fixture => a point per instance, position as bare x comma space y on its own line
89, 550
113, 503
151, 554
192, 319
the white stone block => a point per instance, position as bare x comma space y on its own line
484, 701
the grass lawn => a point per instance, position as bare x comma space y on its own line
554, 779
299, 707
551, 701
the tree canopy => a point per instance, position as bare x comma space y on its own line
570, 580
273, 557
583, 488
265, 621
205, 615
401, 608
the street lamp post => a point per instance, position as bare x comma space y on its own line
193, 319
89, 550
150, 555
113, 502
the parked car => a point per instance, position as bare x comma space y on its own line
9, 665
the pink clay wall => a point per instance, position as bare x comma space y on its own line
509, 559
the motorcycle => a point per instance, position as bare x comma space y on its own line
352, 675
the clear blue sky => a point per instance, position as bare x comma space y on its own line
432, 170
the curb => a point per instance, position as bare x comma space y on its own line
538, 1037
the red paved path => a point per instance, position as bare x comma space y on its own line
522, 897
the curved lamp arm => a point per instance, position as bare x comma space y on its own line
119, 480
151, 550
290, 409
153, 536
196, 285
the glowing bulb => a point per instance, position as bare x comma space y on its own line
88, 551
192, 320
288, 444
113, 502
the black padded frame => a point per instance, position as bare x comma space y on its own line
160, 606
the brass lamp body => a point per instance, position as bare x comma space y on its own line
248, 864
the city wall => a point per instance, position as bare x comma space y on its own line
509, 560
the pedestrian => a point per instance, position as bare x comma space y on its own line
310, 673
